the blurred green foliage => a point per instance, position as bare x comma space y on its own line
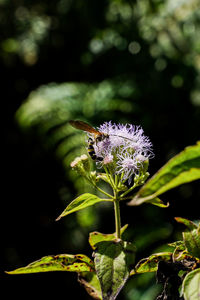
49, 109
126, 61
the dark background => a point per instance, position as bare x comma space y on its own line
147, 53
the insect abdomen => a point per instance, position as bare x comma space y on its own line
91, 150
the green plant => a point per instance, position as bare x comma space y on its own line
124, 153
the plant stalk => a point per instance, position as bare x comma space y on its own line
117, 217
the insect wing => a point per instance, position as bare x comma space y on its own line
84, 126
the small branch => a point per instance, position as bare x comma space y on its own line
110, 177
128, 191
98, 188
102, 191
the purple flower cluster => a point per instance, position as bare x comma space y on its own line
124, 146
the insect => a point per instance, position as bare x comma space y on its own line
91, 150
98, 136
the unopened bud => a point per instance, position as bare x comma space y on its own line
93, 176
143, 163
86, 163
81, 165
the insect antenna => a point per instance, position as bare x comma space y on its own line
123, 137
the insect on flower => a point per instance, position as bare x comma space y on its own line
124, 147
98, 136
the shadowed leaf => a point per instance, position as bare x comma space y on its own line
192, 242
191, 237
112, 264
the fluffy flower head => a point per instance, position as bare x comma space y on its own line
124, 146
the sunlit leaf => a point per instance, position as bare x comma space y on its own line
61, 262
150, 264
191, 285
183, 168
81, 202
189, 224
96, 237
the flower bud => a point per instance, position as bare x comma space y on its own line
81, 165
143, 163
93, 176
86, 163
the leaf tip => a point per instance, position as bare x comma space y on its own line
58, 218
133, 272
10, 272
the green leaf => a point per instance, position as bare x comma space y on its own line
180, 251
150, 264
62, 262
129, 249
81, 202
182, 255
178, 244
182, 168
155, 201
191, 285
96, 237
191, 238
192, 242
90, 282
112, 266
189, 224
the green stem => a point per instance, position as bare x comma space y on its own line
116, 180
114, 184
128, 191
117, 217
110, 177
102, 191
98, 188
